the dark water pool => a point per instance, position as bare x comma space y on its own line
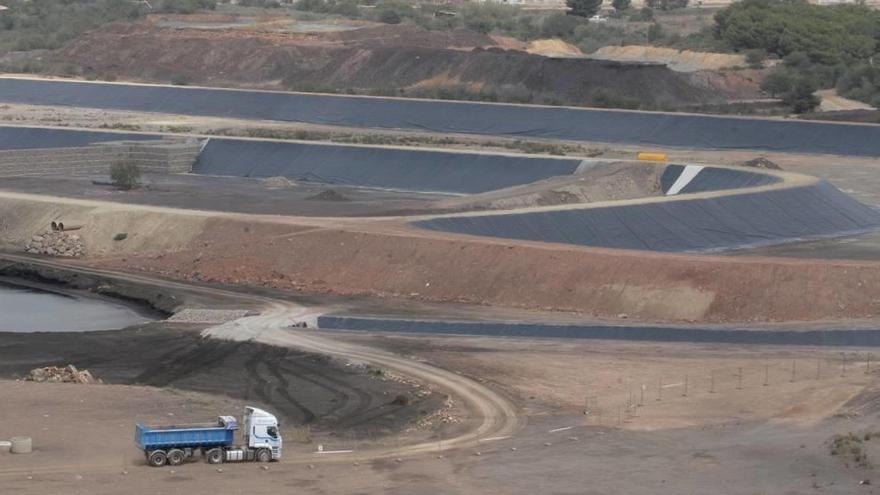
24, 309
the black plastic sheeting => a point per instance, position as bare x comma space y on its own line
413, 170
715, 179
640, 128
724, 222
862, 337
17, 138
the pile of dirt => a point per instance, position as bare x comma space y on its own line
761, 162
593, 182
328, 195
66, 374
738, 85
400, 60
278, 183
554, 48
677, 60
57, 244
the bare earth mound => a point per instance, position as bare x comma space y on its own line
592, 183
678, 60
396, 60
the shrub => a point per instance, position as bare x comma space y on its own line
621, 5
801, 97
125, 175
655, 33
755, 57
389, 16
778, 82
179, 80
120, 236
645, 14
666, 4
559, 25
583, 8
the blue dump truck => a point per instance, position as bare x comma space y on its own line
214, 441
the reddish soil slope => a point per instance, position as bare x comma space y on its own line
384, 59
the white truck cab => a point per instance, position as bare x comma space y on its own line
261, 431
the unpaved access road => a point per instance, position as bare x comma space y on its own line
498, 416
494, 414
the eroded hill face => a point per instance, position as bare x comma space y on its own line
281, 53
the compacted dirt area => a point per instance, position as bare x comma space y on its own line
306, 390
652, 385
773, 439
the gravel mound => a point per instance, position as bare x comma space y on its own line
211, 316
278, 182
761, 162
57, 244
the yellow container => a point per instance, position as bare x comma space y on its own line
652, 157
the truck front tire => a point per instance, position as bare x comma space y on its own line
214, 456
263, 455
157, 458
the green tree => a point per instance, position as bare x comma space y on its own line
125, 175
621, 5
583, 8
778, 82
802, 95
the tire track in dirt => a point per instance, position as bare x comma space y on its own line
283, 390
351, 396
496, 415
176, 366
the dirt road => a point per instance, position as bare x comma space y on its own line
497, 415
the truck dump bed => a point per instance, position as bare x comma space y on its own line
205, 435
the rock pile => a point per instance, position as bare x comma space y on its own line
278, 183
56, 244
66, 374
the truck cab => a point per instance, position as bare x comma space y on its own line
261, 431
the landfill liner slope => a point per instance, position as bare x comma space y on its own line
19, 138
581, 124
705, 224
849, 337
414, 170
714, 179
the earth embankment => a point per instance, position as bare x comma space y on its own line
400, 60
390, 260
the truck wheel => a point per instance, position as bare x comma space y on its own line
157, 458
263, 455
176, 457
214, 456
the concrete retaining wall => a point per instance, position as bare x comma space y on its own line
163, 157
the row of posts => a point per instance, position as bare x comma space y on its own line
630, 407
